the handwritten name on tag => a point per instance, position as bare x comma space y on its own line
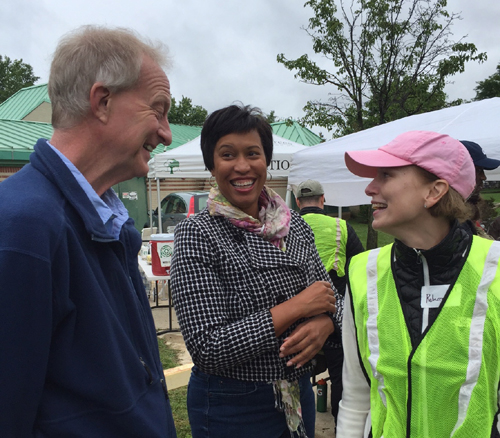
432, 296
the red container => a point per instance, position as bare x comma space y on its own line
162, 248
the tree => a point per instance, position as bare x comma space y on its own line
490, 87
388, 59
271, 117
185, 113
14, 75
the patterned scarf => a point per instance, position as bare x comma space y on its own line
274, 215
273, 225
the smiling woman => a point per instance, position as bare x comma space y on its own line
422, 315
251, 295
240, 170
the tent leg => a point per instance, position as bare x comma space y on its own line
159, 204
340, 212
150, 203
288, 198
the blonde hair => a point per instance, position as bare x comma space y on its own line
451, 206
95, 54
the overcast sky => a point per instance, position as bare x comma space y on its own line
223, 51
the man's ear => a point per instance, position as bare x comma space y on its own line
297, 202
438, 189
99, 101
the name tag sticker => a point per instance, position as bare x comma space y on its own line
431, 296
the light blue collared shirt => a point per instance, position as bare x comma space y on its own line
109, 207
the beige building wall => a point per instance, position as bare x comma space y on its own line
42, 113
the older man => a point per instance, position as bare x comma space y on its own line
79, 355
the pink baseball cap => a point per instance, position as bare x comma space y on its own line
439, 154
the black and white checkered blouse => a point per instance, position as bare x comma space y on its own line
224, 282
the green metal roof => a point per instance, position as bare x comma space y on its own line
295, 132
20, 104
180, 134
25, 101
17, 138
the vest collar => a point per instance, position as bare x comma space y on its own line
311, 209
455, 242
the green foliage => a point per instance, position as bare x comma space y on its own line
386, 59
14, 75
185, 113
272, 117
490, 87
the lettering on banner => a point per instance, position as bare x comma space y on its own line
279, 165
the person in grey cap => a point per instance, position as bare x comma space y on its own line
481, 163
336, 242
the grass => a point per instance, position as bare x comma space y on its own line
169, 359
179, 410
493, 194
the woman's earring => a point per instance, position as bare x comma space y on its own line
212, 182
425, 205
269, 176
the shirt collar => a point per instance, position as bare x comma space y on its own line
109, 207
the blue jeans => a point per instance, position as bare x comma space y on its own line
220, 407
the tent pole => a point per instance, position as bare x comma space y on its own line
150, 203
159, 204
288, 198
340, 212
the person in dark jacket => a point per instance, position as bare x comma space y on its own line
481, 163
422, 315
336, 242
79, 349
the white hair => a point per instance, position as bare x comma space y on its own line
96, 54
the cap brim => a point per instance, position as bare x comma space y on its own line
366, 163
488, 163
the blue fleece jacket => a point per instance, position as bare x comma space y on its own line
78, 349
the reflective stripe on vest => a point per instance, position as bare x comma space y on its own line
432, 390
330, 238
476, 333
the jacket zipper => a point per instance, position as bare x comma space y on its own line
150, 374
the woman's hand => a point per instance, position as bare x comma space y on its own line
307, 339
316, 299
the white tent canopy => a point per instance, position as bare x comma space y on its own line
189, 159
476, 121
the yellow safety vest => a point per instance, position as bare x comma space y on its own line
447, 386
330, 238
